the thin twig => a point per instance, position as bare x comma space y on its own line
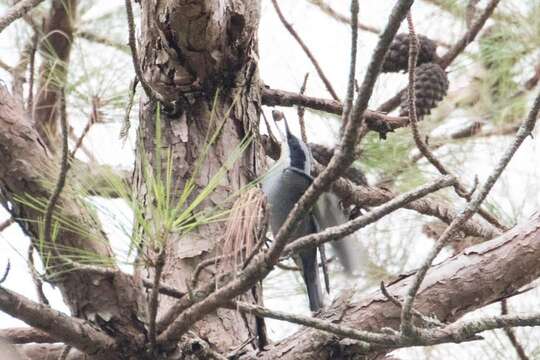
204, 264
334, 328
126, 124
430, 321
347, 106
4, 225
308, 52
331, 12
328, 10
94, 118
338, 232
55, 196
461, 190
154, 299
164, 289
65, 352
6, 67
30, 100
512, 335
17, 11
64, 166
286, 267
301, 110
133, 46
256, 248
6, 272
365, 196
87, 152
469, 36
38, 284
25, 335
525, 130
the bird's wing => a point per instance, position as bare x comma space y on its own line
328, 213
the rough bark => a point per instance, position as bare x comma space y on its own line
26, 173
478, 276
451, 289
202, 57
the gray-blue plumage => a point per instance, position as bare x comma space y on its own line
285, 183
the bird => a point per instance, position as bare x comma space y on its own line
284, 185
328, 212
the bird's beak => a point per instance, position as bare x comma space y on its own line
287, 131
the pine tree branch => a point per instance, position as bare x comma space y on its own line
524, 131
17, 11
79, 333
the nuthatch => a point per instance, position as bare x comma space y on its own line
284, 185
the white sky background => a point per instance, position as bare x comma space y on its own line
283, 65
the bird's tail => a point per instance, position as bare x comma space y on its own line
310, 272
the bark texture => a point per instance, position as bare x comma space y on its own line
27, 171
478, 276
202, 57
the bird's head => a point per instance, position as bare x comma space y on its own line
295, 152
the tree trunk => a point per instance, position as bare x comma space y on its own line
200, 56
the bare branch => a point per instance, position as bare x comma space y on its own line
274, 97
24, 335
469, 36
126, 124
38, 284
65, 352
31, 71
328, 10
17, 11
152, 95
6, 272
337, 232
341, 330
420, 144
347, 107
5, 224
61, 181
154, 298
510, 333
300, 111
365, 196
470, 12
95, 116
525, 130
76, 332
497, 265
308, 52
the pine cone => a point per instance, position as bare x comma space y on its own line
431, 87
397, 57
